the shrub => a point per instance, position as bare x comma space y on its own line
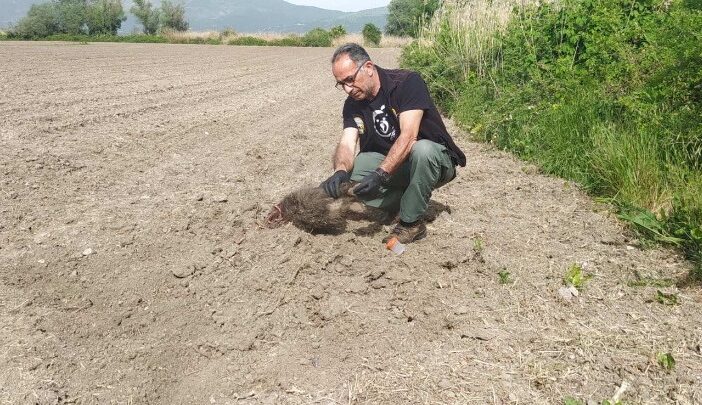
337, 31
292, 40
227, 32
371, 35
248, 41
317, 37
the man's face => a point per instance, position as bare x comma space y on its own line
354, 80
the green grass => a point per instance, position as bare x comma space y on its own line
248, 41
505, 277
666, 298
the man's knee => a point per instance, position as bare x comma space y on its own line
425, 151
423, 148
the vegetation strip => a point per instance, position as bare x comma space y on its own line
606, 93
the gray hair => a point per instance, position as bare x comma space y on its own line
355, 52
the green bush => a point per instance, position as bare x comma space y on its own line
248, 41
227, 32
371, 35
604, 92
292, 40
337, 31
317, 37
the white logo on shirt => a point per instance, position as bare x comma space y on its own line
382, 124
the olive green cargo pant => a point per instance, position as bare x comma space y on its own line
409, 189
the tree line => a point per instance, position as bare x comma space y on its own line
97, 17
105, 17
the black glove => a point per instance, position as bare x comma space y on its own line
332, 185
369, 186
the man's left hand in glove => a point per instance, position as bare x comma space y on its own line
370, 185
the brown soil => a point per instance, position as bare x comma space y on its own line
133, 267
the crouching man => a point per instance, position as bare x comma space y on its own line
405, 150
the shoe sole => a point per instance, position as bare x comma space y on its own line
419, 236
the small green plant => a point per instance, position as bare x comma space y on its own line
478, 245
504, 276
643, 281
666, 361
608, 402
666, 298
647, 224
576, 277
371, 34
571, 401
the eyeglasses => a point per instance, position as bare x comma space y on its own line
349, 81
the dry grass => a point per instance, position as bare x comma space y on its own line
387, 41
473, 25
192, 36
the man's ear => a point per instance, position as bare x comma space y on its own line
369, 68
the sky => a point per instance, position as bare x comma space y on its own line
342, 5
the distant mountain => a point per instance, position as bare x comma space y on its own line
241, 15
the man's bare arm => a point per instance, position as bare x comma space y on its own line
346, 150
400, 150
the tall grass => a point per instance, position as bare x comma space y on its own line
607, 93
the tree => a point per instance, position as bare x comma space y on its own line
173, 16
371, 34
405, 17
41, 21
73, 17
105, 17
148, 16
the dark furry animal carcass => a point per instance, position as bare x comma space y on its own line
312, 210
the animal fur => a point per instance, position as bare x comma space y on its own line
311, 210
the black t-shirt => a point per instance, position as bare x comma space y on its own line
377, 119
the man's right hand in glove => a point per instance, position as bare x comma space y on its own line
332, 185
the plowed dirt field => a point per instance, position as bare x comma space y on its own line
134, 270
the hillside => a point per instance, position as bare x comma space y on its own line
241, 15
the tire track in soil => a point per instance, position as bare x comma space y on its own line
283, 316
